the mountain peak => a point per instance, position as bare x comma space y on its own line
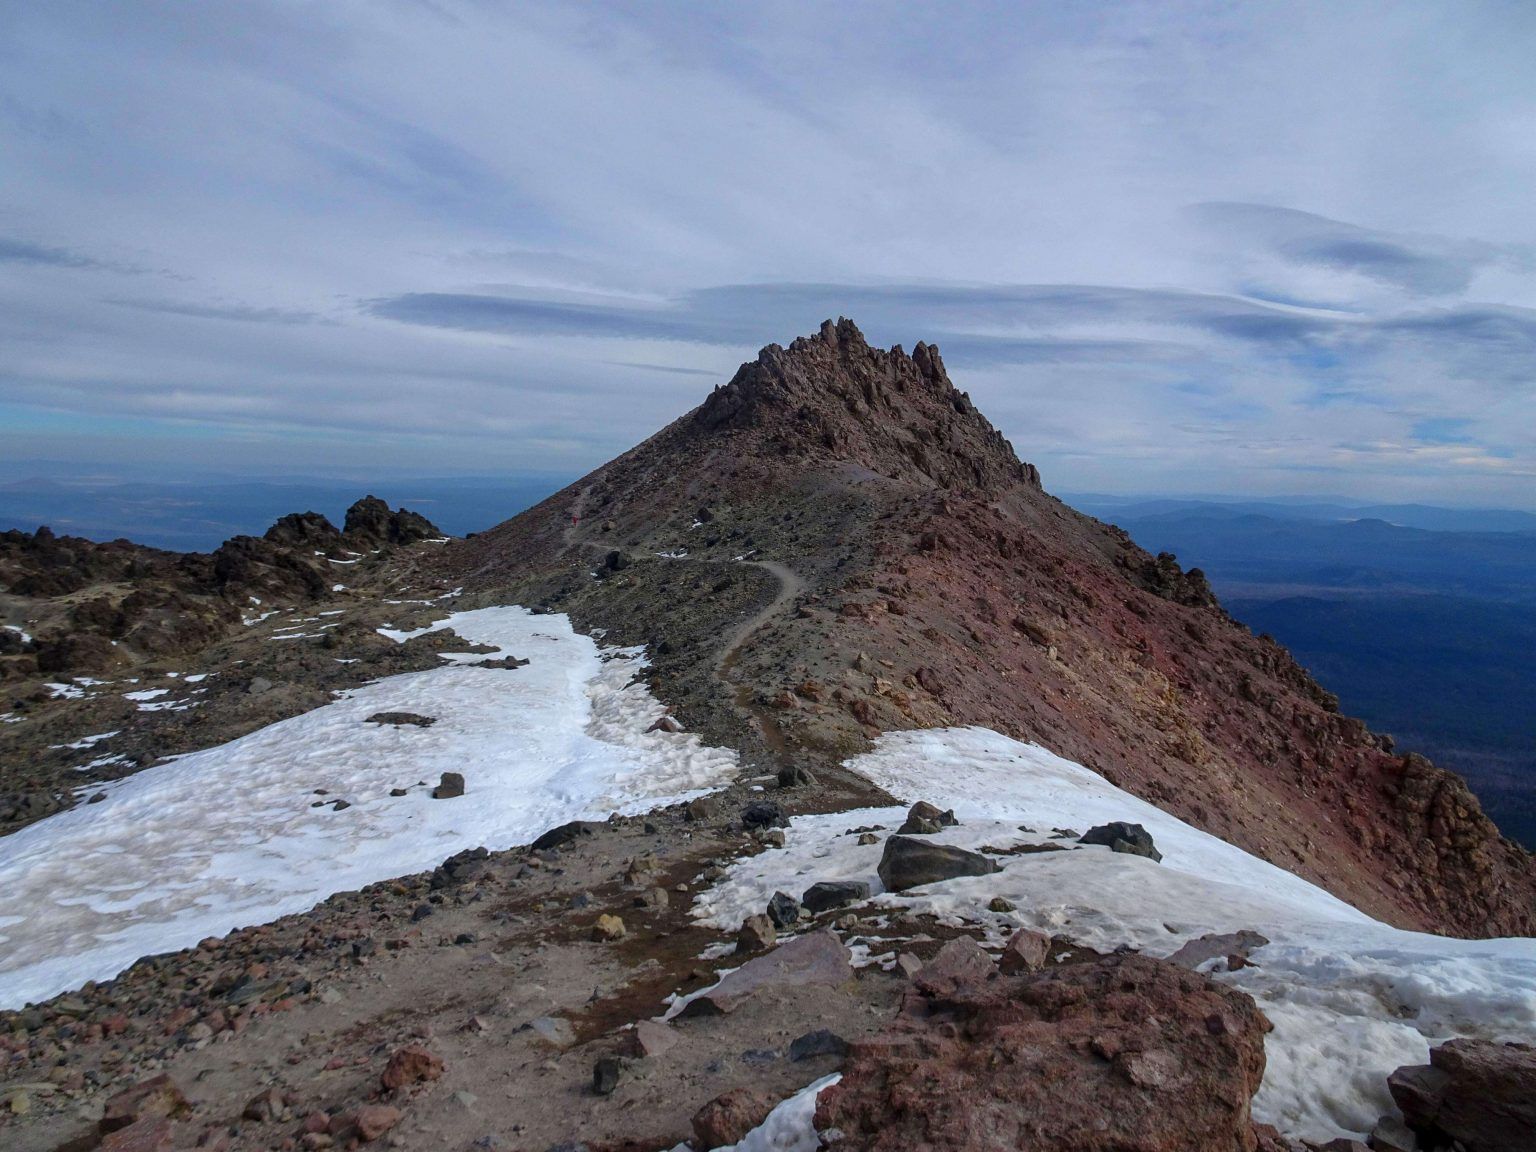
834, 395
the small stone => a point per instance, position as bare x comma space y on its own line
822, 1042
868, 838
652, 1038
756, 934
450, 786
653, 899
554, 1030
608, 928
999, 904
1025, 952
730, 1116
825, 895
265, 1107
924, 819
961, 963
411, 1065
764, 814
783, 909
373, 1120
771, 837
605, 1075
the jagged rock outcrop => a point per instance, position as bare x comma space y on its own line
304, 530
370, 522
936, 584
832, 396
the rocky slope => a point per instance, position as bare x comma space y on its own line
115, 656
935, 582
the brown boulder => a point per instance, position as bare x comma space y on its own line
373, 1120
411, 1065
1115, 1053
730, 1116
1475, 1092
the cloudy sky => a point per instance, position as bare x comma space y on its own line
1169, 247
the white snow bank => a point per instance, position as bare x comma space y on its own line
226, 837
1351, 998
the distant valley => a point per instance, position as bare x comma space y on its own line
1422, 619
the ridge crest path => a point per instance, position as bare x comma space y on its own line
791, 585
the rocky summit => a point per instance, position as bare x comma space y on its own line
810, 738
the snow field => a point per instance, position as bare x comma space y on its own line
1351, 999
227, 836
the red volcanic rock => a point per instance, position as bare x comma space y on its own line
1025, 952
410, 1065
1474, 1092
373, 1120
1114, 1053
730, 1116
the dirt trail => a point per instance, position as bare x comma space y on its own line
791, 586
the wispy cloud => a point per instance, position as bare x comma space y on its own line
477, 234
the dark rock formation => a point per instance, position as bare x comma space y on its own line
304, 530
1119, 836
369, 522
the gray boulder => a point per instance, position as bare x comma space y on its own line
909, 863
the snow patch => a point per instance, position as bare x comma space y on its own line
87, 741
225, 837
1351, 998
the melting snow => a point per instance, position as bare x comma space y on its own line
87, 741
788, 1128
25, 637
1351, 998
225, 837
